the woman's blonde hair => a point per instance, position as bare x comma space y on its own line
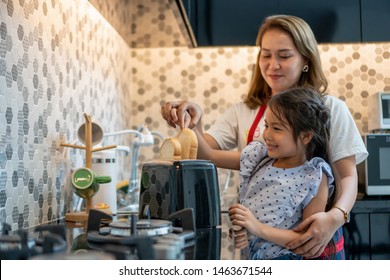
304, 40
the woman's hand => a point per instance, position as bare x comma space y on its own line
181, 113
319, 229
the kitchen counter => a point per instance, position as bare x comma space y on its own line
372, 204
207, 246
210, 244
67, 240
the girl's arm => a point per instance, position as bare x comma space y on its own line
210, 150
242, 216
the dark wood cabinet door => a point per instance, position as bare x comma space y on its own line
380, 236
228, 22
375, 20
357, 237
367, 236
236, 22
331, 20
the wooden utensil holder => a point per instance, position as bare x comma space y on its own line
82, 217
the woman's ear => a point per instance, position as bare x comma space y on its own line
306, 137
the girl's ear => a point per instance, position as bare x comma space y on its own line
306, 137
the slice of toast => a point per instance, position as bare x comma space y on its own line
185, 142
171, 149
189, 143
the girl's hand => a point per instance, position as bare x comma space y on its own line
241, 216
181, 113
239, 236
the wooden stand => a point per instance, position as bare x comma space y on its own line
82, 217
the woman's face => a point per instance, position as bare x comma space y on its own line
280, 61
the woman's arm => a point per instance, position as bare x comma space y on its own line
242, 216
322, 226
346, 186
188, 114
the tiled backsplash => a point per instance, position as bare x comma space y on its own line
59, 59
219, 77
146, 23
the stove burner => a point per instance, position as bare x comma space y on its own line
143, 239
143, 227
20, 246
19, 241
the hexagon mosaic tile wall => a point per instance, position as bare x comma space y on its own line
219, 77
53, 68
59, 59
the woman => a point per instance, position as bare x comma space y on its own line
288, 57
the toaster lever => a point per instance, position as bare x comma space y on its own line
146, 212
185, 217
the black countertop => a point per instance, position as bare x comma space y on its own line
204, 245
67, 240
371, 204
207, 244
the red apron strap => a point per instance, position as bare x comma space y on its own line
259, 115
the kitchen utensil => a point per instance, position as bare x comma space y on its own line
104, 164
96, 133
83, 190
85, 183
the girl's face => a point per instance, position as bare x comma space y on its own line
280, 142
280, 61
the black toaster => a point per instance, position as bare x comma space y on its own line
170, 186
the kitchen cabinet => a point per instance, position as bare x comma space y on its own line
375, 20
367, 236
331, 20
227, 22
234, 23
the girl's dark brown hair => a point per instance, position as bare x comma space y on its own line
303, 109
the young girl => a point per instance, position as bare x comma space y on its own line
286, 180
